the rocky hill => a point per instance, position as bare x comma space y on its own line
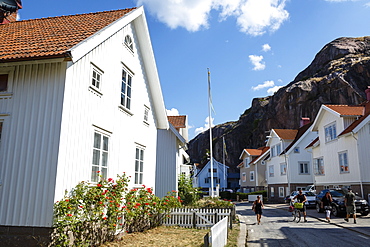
339, 74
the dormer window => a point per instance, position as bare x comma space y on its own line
330, 132
128, 42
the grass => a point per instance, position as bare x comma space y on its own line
171, 236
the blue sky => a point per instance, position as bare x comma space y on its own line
252, 47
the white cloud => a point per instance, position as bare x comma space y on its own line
273, 90
257, 62
266, 47
172, 112
263, 85
253, 17
206, 126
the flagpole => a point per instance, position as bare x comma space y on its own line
223, 158
210, 130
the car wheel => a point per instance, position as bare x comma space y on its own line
364, 213
318, 208
335, 211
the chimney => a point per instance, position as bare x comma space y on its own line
9, 11
367, 91
304, 121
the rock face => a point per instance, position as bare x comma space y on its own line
339, 74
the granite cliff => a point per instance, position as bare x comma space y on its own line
339, 74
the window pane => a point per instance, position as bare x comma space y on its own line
96, 157
123, 99
141, 154
104, 161
123, 88
3, 83
129, 92
140, 178
136, 178
97, 139
137, 153
94, 174
128, 105
105, 143
136, 166
104, 173
141, 166
123, 76
129, 80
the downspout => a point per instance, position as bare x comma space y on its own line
359, 167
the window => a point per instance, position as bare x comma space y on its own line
303, 168
272, 191
283, 169
207, 180
126, 89
281, 191
244, 177
139, 165
1, 128
273, 151
278, 149
271, 171
247, 163
214, 170
251, 176
146, 114
128, 42
3, 82
96, 78
330, 132
318, 165
343, 162
100, 157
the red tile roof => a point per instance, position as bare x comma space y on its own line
346, 110
254, 152
286, 134
177, 121
53, 36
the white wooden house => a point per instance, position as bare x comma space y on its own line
340, 153
203, 176
172, 158
78, 94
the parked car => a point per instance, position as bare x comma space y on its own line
311, 198
338, 207
311, 188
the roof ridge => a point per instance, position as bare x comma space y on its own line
80, 14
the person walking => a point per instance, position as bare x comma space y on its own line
326, 204
349, 201
302, 199
257, 208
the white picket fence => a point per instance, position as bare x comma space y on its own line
198, 218
219, 233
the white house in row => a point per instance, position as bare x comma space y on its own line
341, 152
79, 95
202, 177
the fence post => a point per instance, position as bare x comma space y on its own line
194, 219
215, 221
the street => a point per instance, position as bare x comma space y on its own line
277, 228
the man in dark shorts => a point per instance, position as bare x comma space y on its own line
302, 199
349, 201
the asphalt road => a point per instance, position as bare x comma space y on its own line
277, 228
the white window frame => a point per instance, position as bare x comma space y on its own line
246, 160
278, 149
126, 92
139, 165
146, 114
8, 92
319, 166
96, 77
271, 171
281, 191
282, 170
251, 176
330, 131
244, 177
306, 169
273, 151
129, 42
343, 162
100, 159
